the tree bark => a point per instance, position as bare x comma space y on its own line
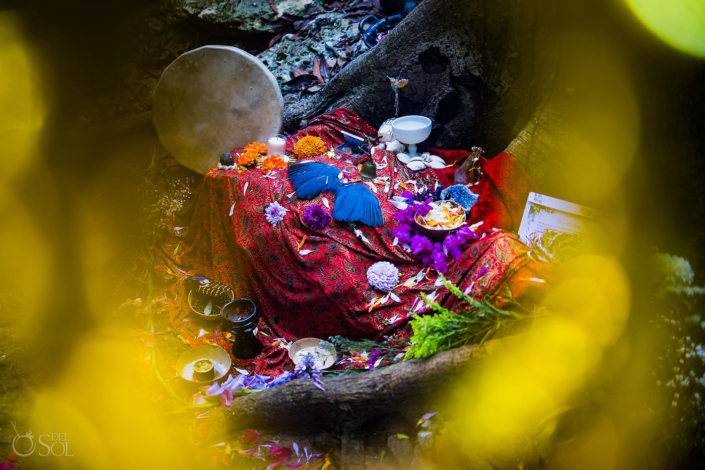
351, 400
478, 69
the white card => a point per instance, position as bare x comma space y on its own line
543, 213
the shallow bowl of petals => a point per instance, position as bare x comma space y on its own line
439, 233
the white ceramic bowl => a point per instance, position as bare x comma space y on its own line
217, 355
323, 351
411, 129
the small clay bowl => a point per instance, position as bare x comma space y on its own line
217, 356
203, 370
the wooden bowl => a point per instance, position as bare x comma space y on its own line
215, 311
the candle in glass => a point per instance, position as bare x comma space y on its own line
276, 145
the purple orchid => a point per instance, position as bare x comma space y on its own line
420, 245
403, 232
479, 275
226, 398
439, 260
372, 360
256, 382
464, 234
452, 245
284, 377
307, 368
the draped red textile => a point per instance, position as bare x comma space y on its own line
326, 292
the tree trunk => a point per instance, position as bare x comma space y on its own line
351, 400
478, 69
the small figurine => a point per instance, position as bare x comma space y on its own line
396, 84
386, 138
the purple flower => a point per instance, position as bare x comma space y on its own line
315, 217
464, 234
403, 232
452, 245
480, 275
374, 356
307, 368
420, 245
256, 382
284, 377
275, 213
439, 261
383, 275
405, 216
226, 398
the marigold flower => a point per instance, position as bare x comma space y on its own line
249, 157
309, 146
257, 147
273, 162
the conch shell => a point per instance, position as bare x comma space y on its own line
386, 133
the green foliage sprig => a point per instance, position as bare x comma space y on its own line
474, 322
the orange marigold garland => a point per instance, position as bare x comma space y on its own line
273, 162
251, 153
248, 158
309, 146
257, 147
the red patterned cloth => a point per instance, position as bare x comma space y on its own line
326, 292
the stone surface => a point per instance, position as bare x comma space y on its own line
244, 16
212, 100
287, 54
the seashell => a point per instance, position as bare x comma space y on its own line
435, 158
404, 158
435, 164
395, 146
417, 159
386, 133
416, 165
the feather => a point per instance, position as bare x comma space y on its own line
311, 179
356, 203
